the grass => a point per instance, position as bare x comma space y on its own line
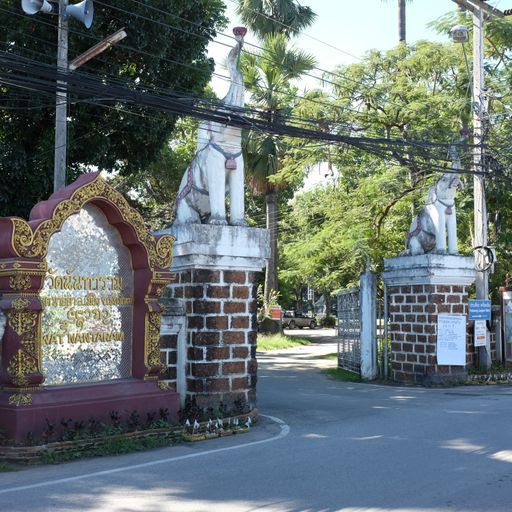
5, 467
279, 341
331, 357
343, 375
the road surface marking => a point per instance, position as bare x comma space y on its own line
285, 430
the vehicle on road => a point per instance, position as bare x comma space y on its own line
295, 320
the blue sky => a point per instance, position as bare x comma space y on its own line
352, 27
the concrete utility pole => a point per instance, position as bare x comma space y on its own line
478, 7
61, 105
82, 11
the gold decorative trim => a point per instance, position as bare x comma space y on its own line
20, 399
152, 340
20, 304
34, 244
20, 282
164, 386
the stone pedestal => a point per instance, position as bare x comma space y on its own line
419, 288
217, 269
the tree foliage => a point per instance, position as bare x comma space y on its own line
165, 48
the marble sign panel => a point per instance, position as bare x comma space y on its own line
87, 300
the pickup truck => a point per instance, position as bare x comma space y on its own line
294, 320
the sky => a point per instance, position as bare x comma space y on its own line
345, 29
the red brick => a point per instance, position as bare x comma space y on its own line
240, 383
418, 328
406, 308
217, 292
234, 307
169, 373
230, 368
417, 309
213, 353
398, 299
205, 369
205, 338
234, 276
422, 359
217, 322
407, 347
458, 308
396, 347
444, 308
431, 349
195, 322
412, 358
418, 368
443, 289
458, 289
422, 299
410, 299
407, 367
252, 366
206, 276
454, 299
430, 329
430, 308
239, 322
396, 366
194, 385
421, 338
240, 292
400, 357
206, 307
411, 338
417, 288
437, 298
216, 385
432, 360
194, 292
419, 348
398, 318
252, 337
421, 319
195, 353
235, 338
178, 292
240, 352
410, 318
185, 277
405, 327
168, 341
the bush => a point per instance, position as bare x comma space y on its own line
328, 321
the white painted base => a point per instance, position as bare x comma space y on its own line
429, 269
214, 246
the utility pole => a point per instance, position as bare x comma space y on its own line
477, 8
61, 105
480, 207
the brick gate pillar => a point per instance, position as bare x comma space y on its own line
217, 270
419, 288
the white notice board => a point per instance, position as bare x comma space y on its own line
451, 339
480, 333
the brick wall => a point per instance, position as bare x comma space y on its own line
168, 351
413, 331
220, 306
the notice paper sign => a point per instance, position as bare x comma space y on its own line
451, 339
480, 333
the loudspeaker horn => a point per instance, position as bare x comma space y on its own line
35, 6
82, 11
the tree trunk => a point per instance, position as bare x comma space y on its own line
401, 21
272, 219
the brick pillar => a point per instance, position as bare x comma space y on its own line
217, 269
419, 288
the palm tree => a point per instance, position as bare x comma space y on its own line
271, 17
402, 20
267, 77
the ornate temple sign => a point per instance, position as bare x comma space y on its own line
80, 283
87, 300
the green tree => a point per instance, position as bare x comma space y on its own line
271, 17
162, 50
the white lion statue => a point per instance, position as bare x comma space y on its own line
218, 165
437, 220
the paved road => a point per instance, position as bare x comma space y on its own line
340, 446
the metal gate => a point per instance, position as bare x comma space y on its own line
362, 329
349, 330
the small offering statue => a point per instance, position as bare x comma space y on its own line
218, 165
437, 220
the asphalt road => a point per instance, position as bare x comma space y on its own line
326, 446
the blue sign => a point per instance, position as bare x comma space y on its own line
479, 309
